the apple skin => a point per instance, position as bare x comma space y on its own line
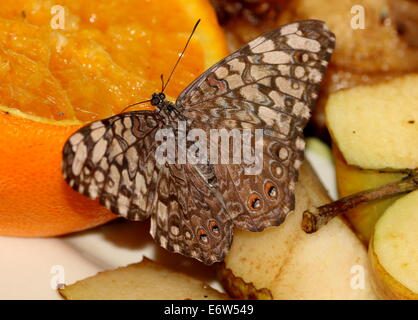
350, 180
384, 285
393, 250
238, 288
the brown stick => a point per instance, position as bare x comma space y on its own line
316, 217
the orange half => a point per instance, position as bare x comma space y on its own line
109, 54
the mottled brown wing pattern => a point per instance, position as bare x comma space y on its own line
271, 84
112, 160
298, 52
273, 188
189, 220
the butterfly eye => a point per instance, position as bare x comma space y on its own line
270, 190
155, 101
202, 235
214, 227
254, 202
162, 96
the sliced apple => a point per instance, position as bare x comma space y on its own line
376, 126
145, 280
350, 180
373, 127
394, 250
286, 263
337, 79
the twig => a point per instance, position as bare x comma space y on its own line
316, 217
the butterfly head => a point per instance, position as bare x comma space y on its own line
157, 99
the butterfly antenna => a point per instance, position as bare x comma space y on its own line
134, 104
162, 82
181, 55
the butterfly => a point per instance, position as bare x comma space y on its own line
272, 83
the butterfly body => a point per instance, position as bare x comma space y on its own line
269, 85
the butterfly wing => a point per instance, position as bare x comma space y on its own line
270, 84
111, 160
114, 160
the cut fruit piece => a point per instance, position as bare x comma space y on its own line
394, 250
285, 263
108, 54
351, 180
338, 79
146, 280
376, 126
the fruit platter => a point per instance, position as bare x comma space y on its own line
116, 181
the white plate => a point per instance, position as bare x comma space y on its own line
32, 268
